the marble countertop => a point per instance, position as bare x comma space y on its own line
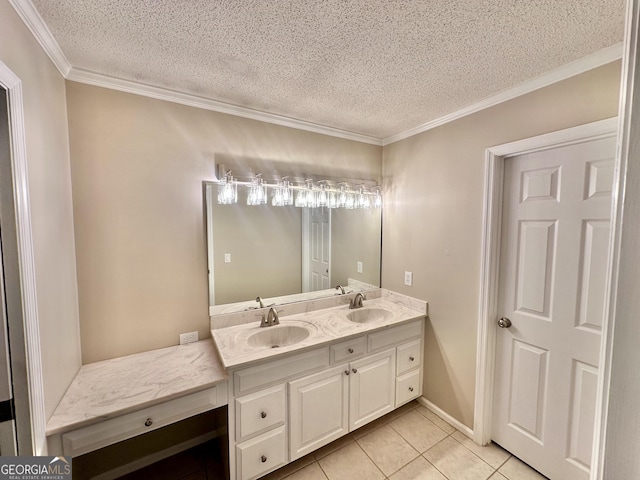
121, 385
324, 326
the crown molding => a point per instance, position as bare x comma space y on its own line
597, 59
100, 80
33, 21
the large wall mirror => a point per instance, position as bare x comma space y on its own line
287, 253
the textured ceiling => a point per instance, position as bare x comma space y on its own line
375, 67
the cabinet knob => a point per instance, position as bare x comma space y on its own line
350, 350
346, 372
411, 389
263, 459
354, 370
263, 414
148, 422
411, 358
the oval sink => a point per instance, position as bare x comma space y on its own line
278, 336
369, 315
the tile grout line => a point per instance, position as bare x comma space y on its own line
372, 461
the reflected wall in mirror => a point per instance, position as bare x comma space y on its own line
282, 251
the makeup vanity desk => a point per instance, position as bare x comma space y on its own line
114, 400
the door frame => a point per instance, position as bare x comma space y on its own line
495, 158
24, 331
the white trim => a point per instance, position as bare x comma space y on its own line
306, 250
461, 427
26, 261
209, 196
569, 70
34, 22
489, 266
629, 67
100, 80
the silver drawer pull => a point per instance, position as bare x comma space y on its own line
148, 422
263, 414
263, 459
354, 370
350, 350
411, 389
411, 358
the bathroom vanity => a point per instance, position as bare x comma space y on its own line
318, 375
322, 372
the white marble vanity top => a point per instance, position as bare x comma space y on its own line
114, 387
324, 326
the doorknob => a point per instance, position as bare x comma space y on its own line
504, 322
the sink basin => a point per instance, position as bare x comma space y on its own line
369, 315
278, 336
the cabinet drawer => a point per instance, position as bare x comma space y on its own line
408, 387
261, 454
393, 336
268, 373
260, 411
409, 356
126, 426
347, 351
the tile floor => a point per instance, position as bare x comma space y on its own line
411, 443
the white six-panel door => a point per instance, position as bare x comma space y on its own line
555, 237
320, 249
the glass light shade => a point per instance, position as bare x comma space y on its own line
301, 198
333, 200
257, 192
322, 196
377, 202
350, 202
227, 191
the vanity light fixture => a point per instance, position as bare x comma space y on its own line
310, 194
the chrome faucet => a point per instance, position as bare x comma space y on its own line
356, 301
270, 319
341, 288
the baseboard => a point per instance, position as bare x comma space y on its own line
157, 456
461, 427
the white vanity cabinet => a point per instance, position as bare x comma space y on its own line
327, 405
285, 408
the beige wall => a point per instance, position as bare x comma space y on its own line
433, 217
137, 170
45, 118
355, 237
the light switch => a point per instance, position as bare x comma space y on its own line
359, 267
227, 258
408, 278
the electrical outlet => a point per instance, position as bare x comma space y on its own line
188, 337
359, 267
227, 258
408, 278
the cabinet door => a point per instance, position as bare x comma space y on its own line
318, 409
372, 388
